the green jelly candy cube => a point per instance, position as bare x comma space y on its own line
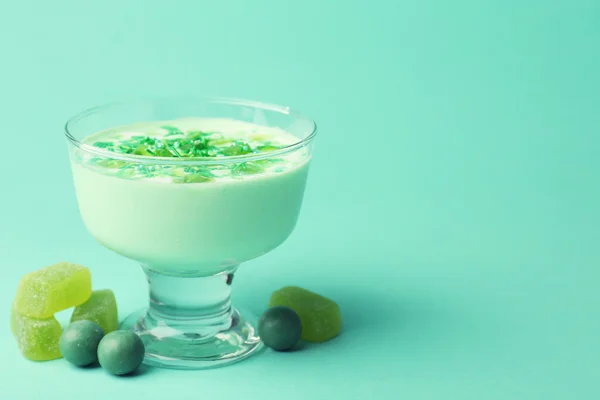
43, 293
101, 308
37, 338
321, 318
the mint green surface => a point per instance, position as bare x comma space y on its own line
453, 207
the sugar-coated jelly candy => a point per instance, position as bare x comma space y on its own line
47, 291
321, 318
100, 308
79, 343
121, 352
37, 338
280, 328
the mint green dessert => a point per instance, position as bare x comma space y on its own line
159, 211
191, 197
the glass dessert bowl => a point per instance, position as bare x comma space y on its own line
190, 188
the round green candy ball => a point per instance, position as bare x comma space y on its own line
121, 352
79, 342
280, 328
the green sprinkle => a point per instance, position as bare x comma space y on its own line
267, 148
222, 142
237, 149
172, 130
125, 148
198, 134
174, 151
110, 163
178, 172
247, 168
268, 161
104, 145
127, 172
142, 150
193, 179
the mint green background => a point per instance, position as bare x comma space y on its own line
452, 209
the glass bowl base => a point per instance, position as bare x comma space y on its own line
182, 348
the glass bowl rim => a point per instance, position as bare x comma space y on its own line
100, 152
